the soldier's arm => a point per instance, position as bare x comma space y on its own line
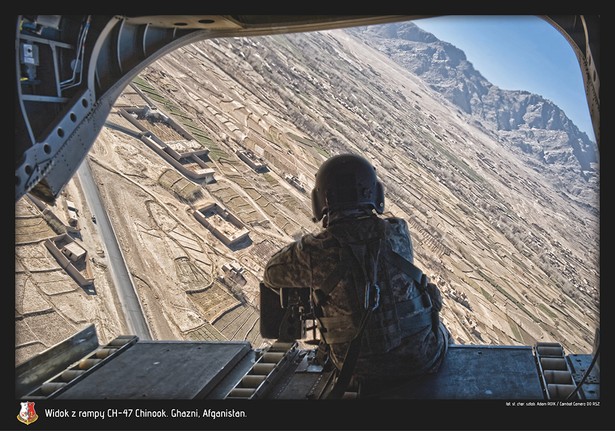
289, 267
400, 239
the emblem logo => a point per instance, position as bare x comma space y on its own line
27, 414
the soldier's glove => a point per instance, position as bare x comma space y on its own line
436, 297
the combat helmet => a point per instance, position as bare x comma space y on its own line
346, 181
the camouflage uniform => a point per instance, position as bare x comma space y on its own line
404, 336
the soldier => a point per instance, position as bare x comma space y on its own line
377, 314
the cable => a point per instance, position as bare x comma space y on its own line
576, 389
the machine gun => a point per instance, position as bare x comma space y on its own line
284, 314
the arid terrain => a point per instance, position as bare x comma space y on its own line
517, 262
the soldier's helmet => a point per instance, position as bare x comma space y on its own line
346, 181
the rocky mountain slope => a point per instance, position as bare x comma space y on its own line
538, 130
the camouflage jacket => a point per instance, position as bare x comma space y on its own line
403, 335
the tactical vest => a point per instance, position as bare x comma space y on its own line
369, 262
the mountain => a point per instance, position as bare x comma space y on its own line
537, 130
